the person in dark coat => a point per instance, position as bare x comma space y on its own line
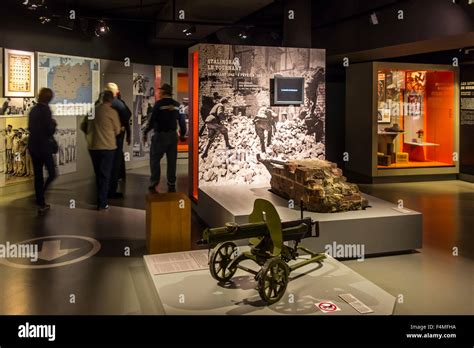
42, 146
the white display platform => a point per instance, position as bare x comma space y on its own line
382, 228
197, 293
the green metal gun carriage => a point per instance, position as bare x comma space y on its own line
266, 234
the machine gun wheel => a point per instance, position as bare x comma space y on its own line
221, 256
273, 280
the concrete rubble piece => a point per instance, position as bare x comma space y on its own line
319, 184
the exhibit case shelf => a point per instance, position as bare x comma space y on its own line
407, 120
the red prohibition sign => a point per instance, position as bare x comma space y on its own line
328, 307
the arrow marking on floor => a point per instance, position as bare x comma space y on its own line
51, 250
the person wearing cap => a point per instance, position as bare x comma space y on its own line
164, 122
125, 114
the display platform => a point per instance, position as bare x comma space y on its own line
382, 228
197, 293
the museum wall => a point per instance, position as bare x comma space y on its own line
335, 115
73, 159
255, 126
467, 119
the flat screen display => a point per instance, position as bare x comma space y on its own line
289, 91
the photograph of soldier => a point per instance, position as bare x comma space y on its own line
3, 162
65, 159
265, 122
15, 158
9, 135
314, 119
61, 155
207, 104
183, 115
16, 106
215, 126
143, 101
19, 153
16, 151
28, 161
72, 144
22, 147
5, 110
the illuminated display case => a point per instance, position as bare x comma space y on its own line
407, 117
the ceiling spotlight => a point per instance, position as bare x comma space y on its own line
243, 35
44, 19
374, 19
189, 31
101, 28
33, 4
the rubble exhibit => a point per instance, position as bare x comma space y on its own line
319, 184
241, 166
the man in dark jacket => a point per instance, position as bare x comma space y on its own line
41, 145
119, 162
164, 122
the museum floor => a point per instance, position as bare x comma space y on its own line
431, 281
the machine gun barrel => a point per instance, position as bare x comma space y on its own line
292, 230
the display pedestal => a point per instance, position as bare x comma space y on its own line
168, 223
197, 293
382, 228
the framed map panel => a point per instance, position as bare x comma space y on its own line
19, 73
75, 82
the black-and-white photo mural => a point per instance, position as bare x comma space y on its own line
258, 103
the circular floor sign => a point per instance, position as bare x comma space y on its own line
327, 307
48, 251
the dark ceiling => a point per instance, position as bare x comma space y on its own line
214, 20
339, 26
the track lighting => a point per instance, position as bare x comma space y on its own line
101, 28
189, 31
33, 4
374, 19
44, 19
243, 35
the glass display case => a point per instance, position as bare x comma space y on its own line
406, 118
415, 118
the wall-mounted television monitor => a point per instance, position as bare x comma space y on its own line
288, 90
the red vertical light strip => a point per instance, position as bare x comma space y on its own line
195, 140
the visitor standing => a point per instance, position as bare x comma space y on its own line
42, 146
101, 134
164, 121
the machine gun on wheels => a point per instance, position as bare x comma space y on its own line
267, 235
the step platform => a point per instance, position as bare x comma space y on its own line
382, 228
